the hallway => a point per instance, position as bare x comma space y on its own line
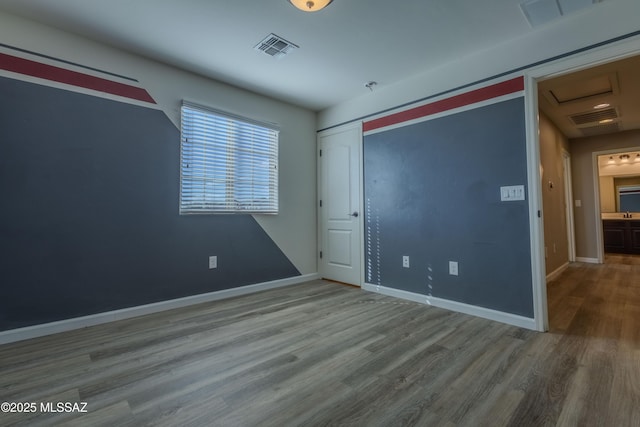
598, 300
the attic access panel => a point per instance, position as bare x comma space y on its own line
566, 92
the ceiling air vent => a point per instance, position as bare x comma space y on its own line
594, 116
600, 130
539, 12
275, 46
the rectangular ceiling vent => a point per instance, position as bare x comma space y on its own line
594, 116
601, 130
539, 12
275, 46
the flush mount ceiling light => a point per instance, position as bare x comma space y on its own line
309, 5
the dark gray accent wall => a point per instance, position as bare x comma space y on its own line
432, 192
89, 219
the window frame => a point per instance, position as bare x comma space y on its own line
223, 140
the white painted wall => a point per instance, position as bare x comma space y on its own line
603, 21
294, 228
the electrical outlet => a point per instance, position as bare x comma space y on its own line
453, 268
405, 261
213, 262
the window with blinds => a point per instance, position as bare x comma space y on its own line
227, 164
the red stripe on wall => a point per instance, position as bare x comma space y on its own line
478, 95
74, 78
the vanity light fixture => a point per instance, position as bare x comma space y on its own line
310, 5
624, 158
597, 107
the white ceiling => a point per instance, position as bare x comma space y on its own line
342, 47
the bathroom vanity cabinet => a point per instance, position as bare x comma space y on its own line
621, 235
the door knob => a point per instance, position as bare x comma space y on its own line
355, 214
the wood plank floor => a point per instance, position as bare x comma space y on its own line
323, 354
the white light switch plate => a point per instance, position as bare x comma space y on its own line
511, 193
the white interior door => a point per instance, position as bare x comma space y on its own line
340, 219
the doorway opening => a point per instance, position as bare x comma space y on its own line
617, 193
575, 95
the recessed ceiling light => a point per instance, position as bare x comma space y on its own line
611, 161
601, 106
624, 158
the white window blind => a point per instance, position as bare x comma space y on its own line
227, 164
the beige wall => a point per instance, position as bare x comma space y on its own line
607, 194
586, 216
552, 143
627, 180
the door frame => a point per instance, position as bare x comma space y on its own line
357, 126
588, 59
568, 201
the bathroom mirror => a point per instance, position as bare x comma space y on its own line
628, 198
619, 179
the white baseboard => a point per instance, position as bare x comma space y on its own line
35, 331
557, 272
486, 313
587, 260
